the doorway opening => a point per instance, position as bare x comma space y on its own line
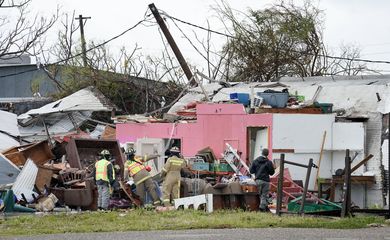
256, 142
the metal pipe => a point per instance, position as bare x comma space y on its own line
280, 186
296, 164
345, 211
309, 167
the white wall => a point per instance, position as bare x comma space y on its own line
348, 135
304, 134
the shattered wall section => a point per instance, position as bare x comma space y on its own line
373, 146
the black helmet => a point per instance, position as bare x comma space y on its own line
175, 149
130, 153
105, 154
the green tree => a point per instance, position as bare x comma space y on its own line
281, 40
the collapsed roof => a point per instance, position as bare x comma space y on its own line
351, 96
62, 116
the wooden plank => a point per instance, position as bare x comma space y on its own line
281, 150
129, 194
362, 162
43, 178
319, 160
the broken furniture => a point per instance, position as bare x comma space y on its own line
39, 153
72, 175
339, 179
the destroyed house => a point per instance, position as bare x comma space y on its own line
352, 115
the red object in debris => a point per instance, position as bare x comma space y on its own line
190, 105
148, 168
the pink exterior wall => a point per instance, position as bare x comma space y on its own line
216, 124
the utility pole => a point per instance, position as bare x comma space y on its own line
173, 45
83, 47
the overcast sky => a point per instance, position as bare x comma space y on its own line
361, 22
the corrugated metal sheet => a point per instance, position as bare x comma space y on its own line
87, 99
98, 131
58, 124
8, 171
25, 181
9, 123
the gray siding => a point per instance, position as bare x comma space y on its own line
20, 85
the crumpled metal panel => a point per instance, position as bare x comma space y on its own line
58, 124
25, 181
87, 99
8, 170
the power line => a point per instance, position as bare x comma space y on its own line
81, 53
321, 55
200, 27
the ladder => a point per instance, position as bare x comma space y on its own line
235, 162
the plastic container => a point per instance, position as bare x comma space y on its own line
222, 167
240, 98
275, 99
325, 107
199, 166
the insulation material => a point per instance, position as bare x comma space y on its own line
25, 181
8, 170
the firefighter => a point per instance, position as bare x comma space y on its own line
142, 178
171, 172
104, 177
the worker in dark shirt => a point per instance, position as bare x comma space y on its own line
104, 175
262, 168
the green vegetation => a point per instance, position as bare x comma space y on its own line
143, 220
